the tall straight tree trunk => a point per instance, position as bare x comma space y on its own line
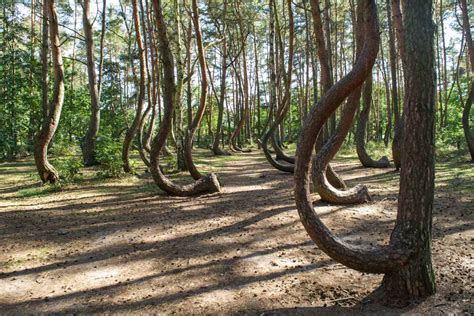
406, 260
245, 84
132, 131
397, 149
415, 280
216, 149
393, 72
88, 147
467, 106
45, 62
46, 171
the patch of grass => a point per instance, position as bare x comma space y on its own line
40, 191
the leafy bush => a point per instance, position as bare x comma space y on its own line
109, 156
68, 168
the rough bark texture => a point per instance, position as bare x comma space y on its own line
467, 107
208, 184
360, 136
376, 260
88, 147
406, 261
46, 171
131, 132
415, 280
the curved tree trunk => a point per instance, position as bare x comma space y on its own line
406, 261
286, 102
208, 184
188, 143
131, 132
359, 193
88, 147
364, 157
467, 107
46, 171
326, 82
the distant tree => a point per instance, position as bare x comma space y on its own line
46, 171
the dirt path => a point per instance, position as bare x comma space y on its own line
119, 246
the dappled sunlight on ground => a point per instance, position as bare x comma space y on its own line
123, 246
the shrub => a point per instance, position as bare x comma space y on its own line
68, 168
109, 156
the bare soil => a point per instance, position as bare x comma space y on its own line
121, 246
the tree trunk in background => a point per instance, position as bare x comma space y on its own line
285, 104
360, 135
46, 171
88, 147
467, 107
400, 35
326, 82
365, 60
45, 62
194, 125
216, 149
208, 184
131, 132
393, 73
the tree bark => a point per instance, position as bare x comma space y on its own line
467, 106
326, 82
45, 62
88, 147
415, 280
397, 19
364, 157
245, 112
359, 193
188, 143
131, 132
46, 171
406, 260
285, 104
216, 149
208, 184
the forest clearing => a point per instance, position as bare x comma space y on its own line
124, 246
264, 157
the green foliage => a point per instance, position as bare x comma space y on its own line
42, 190
109, 156
68, 168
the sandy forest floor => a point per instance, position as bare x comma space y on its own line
121, 245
